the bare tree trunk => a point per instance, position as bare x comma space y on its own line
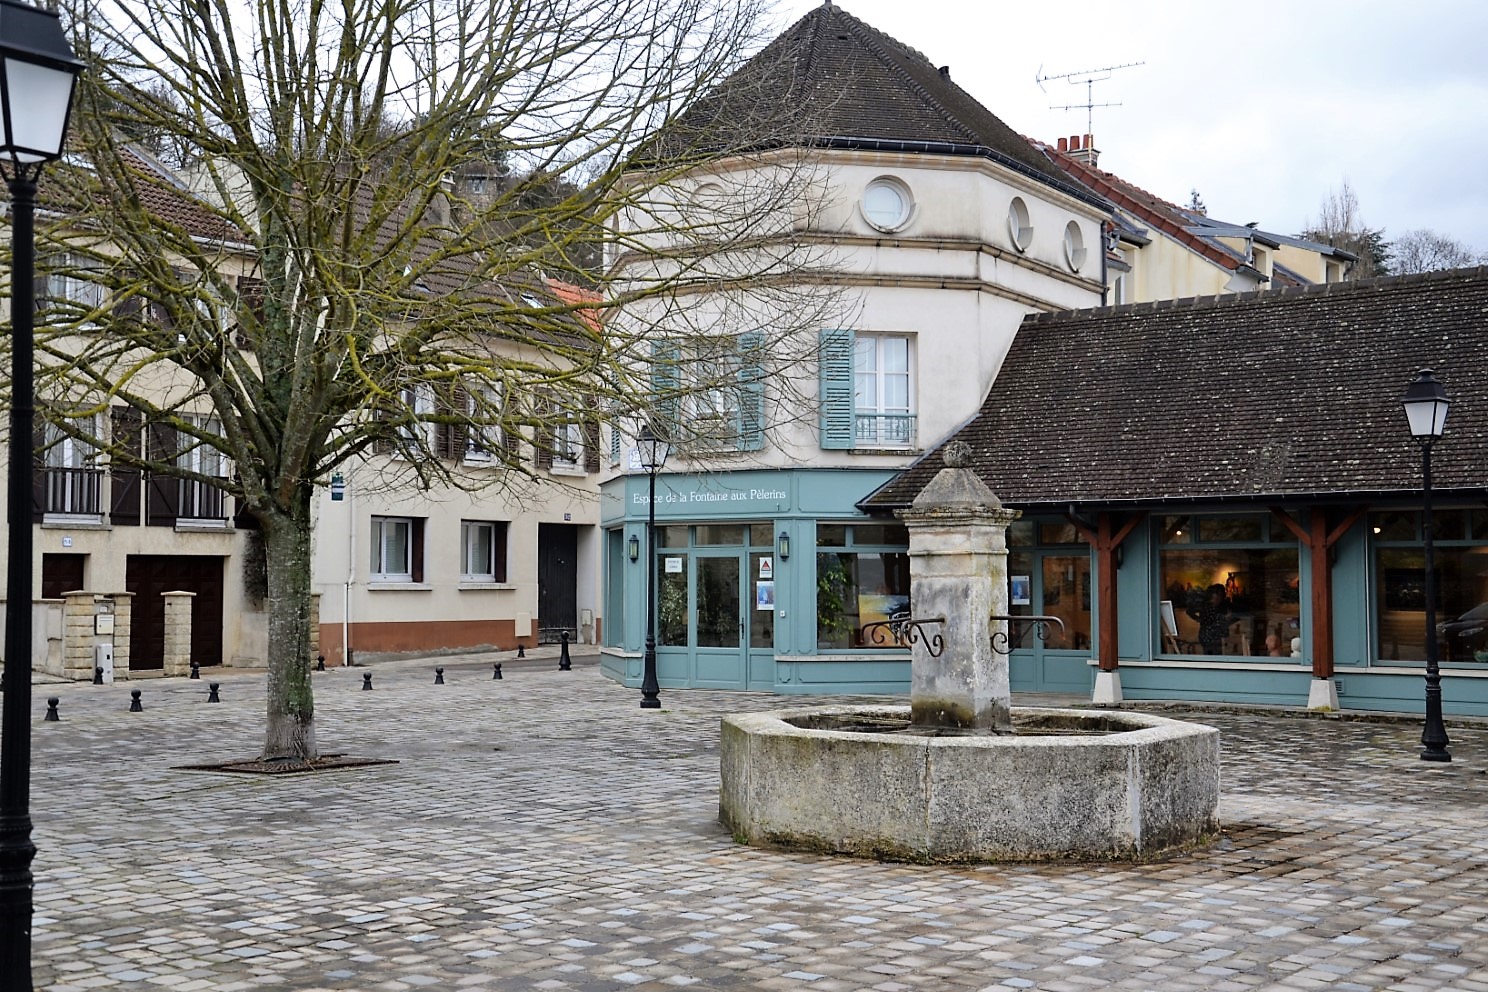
290, 733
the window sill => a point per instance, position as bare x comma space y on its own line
393, 585
476, 585
573, 470
883, 450
201, 525
75, 521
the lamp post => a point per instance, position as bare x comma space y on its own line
37, 75
1426, 406
654, 451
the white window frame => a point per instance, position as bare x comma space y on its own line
482, 443
84, 293
419, 400
66, 452
381, 567
869, 403
472, 570
568, 447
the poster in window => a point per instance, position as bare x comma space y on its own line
674, 565
764, 596
766, 567
883, 607
1020, 590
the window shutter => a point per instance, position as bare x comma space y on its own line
544, 435
38, 473
591, 446
251, 300
163, 495
127, 428
837, 427
614, 444
511, 433
416, 556
751, 426
666, 383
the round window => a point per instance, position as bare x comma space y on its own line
887, 204
1074, 246
1019, 227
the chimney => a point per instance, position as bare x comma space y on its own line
1064, 144
1087, 153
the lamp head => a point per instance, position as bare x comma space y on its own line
1426, 406
38, 74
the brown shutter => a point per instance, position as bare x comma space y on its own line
125, 480
163, 492
251, 299
38, 474
416, 538
591, 446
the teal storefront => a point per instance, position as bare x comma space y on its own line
764, 580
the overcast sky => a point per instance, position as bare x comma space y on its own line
1264, 107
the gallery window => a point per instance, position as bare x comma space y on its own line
862, 577
1461, 558
1230, 586
483, 551
1049, 575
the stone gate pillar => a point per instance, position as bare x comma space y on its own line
958, 570
177, 632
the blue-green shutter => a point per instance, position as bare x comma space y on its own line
751, 425
837, 425
666, 385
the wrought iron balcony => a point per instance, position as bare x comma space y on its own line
885, 430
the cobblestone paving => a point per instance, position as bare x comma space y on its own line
543, 832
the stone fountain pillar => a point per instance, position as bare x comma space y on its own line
958, 570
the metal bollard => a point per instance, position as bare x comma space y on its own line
366, 681
497, 673
439, 676
51, 713
564, 664
320, 663
134, 701
212, 696
195, 669
98, 676
521, 651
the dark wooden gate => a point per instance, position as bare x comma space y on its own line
147, 577
557, 581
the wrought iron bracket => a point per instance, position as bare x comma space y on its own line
1018, 628
885, 632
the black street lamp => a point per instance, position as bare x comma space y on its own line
37, 75
1426, 408
653, 451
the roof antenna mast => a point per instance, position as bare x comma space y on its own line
1089, 77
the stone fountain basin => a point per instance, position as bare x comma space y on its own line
1067, 785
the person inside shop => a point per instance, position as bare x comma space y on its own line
1213, 615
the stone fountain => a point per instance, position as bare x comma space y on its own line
959, 774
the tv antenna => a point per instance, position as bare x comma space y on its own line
1089, 77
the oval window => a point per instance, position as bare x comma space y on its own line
887, 204
1019, 227
1074, 246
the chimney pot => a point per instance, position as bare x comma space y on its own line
1074, 142
1064, 144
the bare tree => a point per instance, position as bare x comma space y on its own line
353, 298
1424, 250
1340, 224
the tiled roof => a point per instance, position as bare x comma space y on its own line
832, 79
1169, 218
1280, 393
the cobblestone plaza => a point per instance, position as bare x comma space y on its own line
543, 832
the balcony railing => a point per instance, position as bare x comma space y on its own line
71, 490
199, 501
885, 430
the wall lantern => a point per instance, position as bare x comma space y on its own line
784, 545
633, 548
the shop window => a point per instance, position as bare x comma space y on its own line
867, 390
1238, 597
1461, 560
858, 584
671, 600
